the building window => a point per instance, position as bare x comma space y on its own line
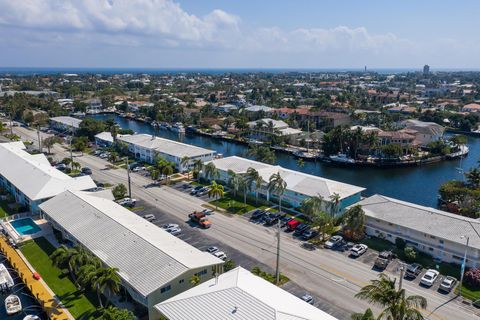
201, 273
181, 281
441, 241
165, 289
431, 249
433, 237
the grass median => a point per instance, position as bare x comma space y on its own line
37, 252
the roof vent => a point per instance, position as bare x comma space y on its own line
234, 310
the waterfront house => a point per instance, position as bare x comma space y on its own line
267, 126
237, 294
435, 232
471, 107
153, 264
64, 123
147, 148
31, 179
424, 132
300, 186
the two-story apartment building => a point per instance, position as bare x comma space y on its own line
147, 148
31, 179
438, 233
65, 123
153, 264
300, 186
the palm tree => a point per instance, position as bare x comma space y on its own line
367, 315
473, 177
233, 181
61, 257
76, 165
108, 281
211, 171
50, 142
80, 257
154, 173
114, 132
167, 171
277, 185
245, 186
324, 222
397, 305
113, 157
197, 166
312, 205
184, 162
253, 177
216, 191
354, 222
334, 202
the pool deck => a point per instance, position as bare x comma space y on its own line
52, 306
45, 230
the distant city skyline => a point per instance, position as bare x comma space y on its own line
304, 34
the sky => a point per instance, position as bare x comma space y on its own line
240, 33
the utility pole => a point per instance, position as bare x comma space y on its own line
402, 270
38, 136
128, 179
71, 151
277, 270
464, 264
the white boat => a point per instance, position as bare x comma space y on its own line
305, 155
342, 158
31, 317
13, 304
178, 127
6, 281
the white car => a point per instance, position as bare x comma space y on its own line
212, 249
358, 249
104, 155
333, 241
170, 226
174, 231
220, 255
137, 169
429, 277
128, 202
308, 298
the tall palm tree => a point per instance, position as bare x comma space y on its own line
245, 186
167, 171
397, 305
108, 281
312, 205
254, 178
354, 222
80, 257
324, 222
276, 185
184, 162
61, 257
233, 181
76, 165
211, 172
334, 202
216, 191
113, 157
197, 166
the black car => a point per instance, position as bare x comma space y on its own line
86, 170
284, 220
257, 214
413, 270
300, 229
196, 190
309, 234
271, 219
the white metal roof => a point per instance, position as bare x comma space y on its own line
299, 182
34, 176
166, 146
238, 295
428, 220
147, 256
68, 121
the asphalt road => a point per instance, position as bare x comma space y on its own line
331, 276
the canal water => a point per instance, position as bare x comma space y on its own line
29, 304
414, 184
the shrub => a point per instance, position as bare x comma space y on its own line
229, 265
119, 191
472, 278
400, 243
410, 254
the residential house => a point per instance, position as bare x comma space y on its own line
471, 107
65, 123
424, 132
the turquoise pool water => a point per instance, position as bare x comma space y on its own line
25, 226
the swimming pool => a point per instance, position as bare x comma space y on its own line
25, 226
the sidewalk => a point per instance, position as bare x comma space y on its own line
39, 288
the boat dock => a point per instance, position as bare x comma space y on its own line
39, 289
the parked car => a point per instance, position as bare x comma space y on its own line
429, 277
104, 155
300, 229
212, 249
308, 298
170, 226
292, 225
447, 284
203, 191
220, 255
128, 202
358, 249
309, 234
174, 231
207, 211
272, 218
137, 169
333, 242
413, 270
257, 214
61, 166
86, 170
196, 190
149, 217
383, 260
284, 220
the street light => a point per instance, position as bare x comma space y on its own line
464, 263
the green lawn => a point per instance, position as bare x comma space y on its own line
232, 205
37, 252
4, 210
469, 293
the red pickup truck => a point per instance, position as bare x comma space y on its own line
200, 218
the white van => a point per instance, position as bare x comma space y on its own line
149, 217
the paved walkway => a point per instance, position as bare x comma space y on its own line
39, 288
